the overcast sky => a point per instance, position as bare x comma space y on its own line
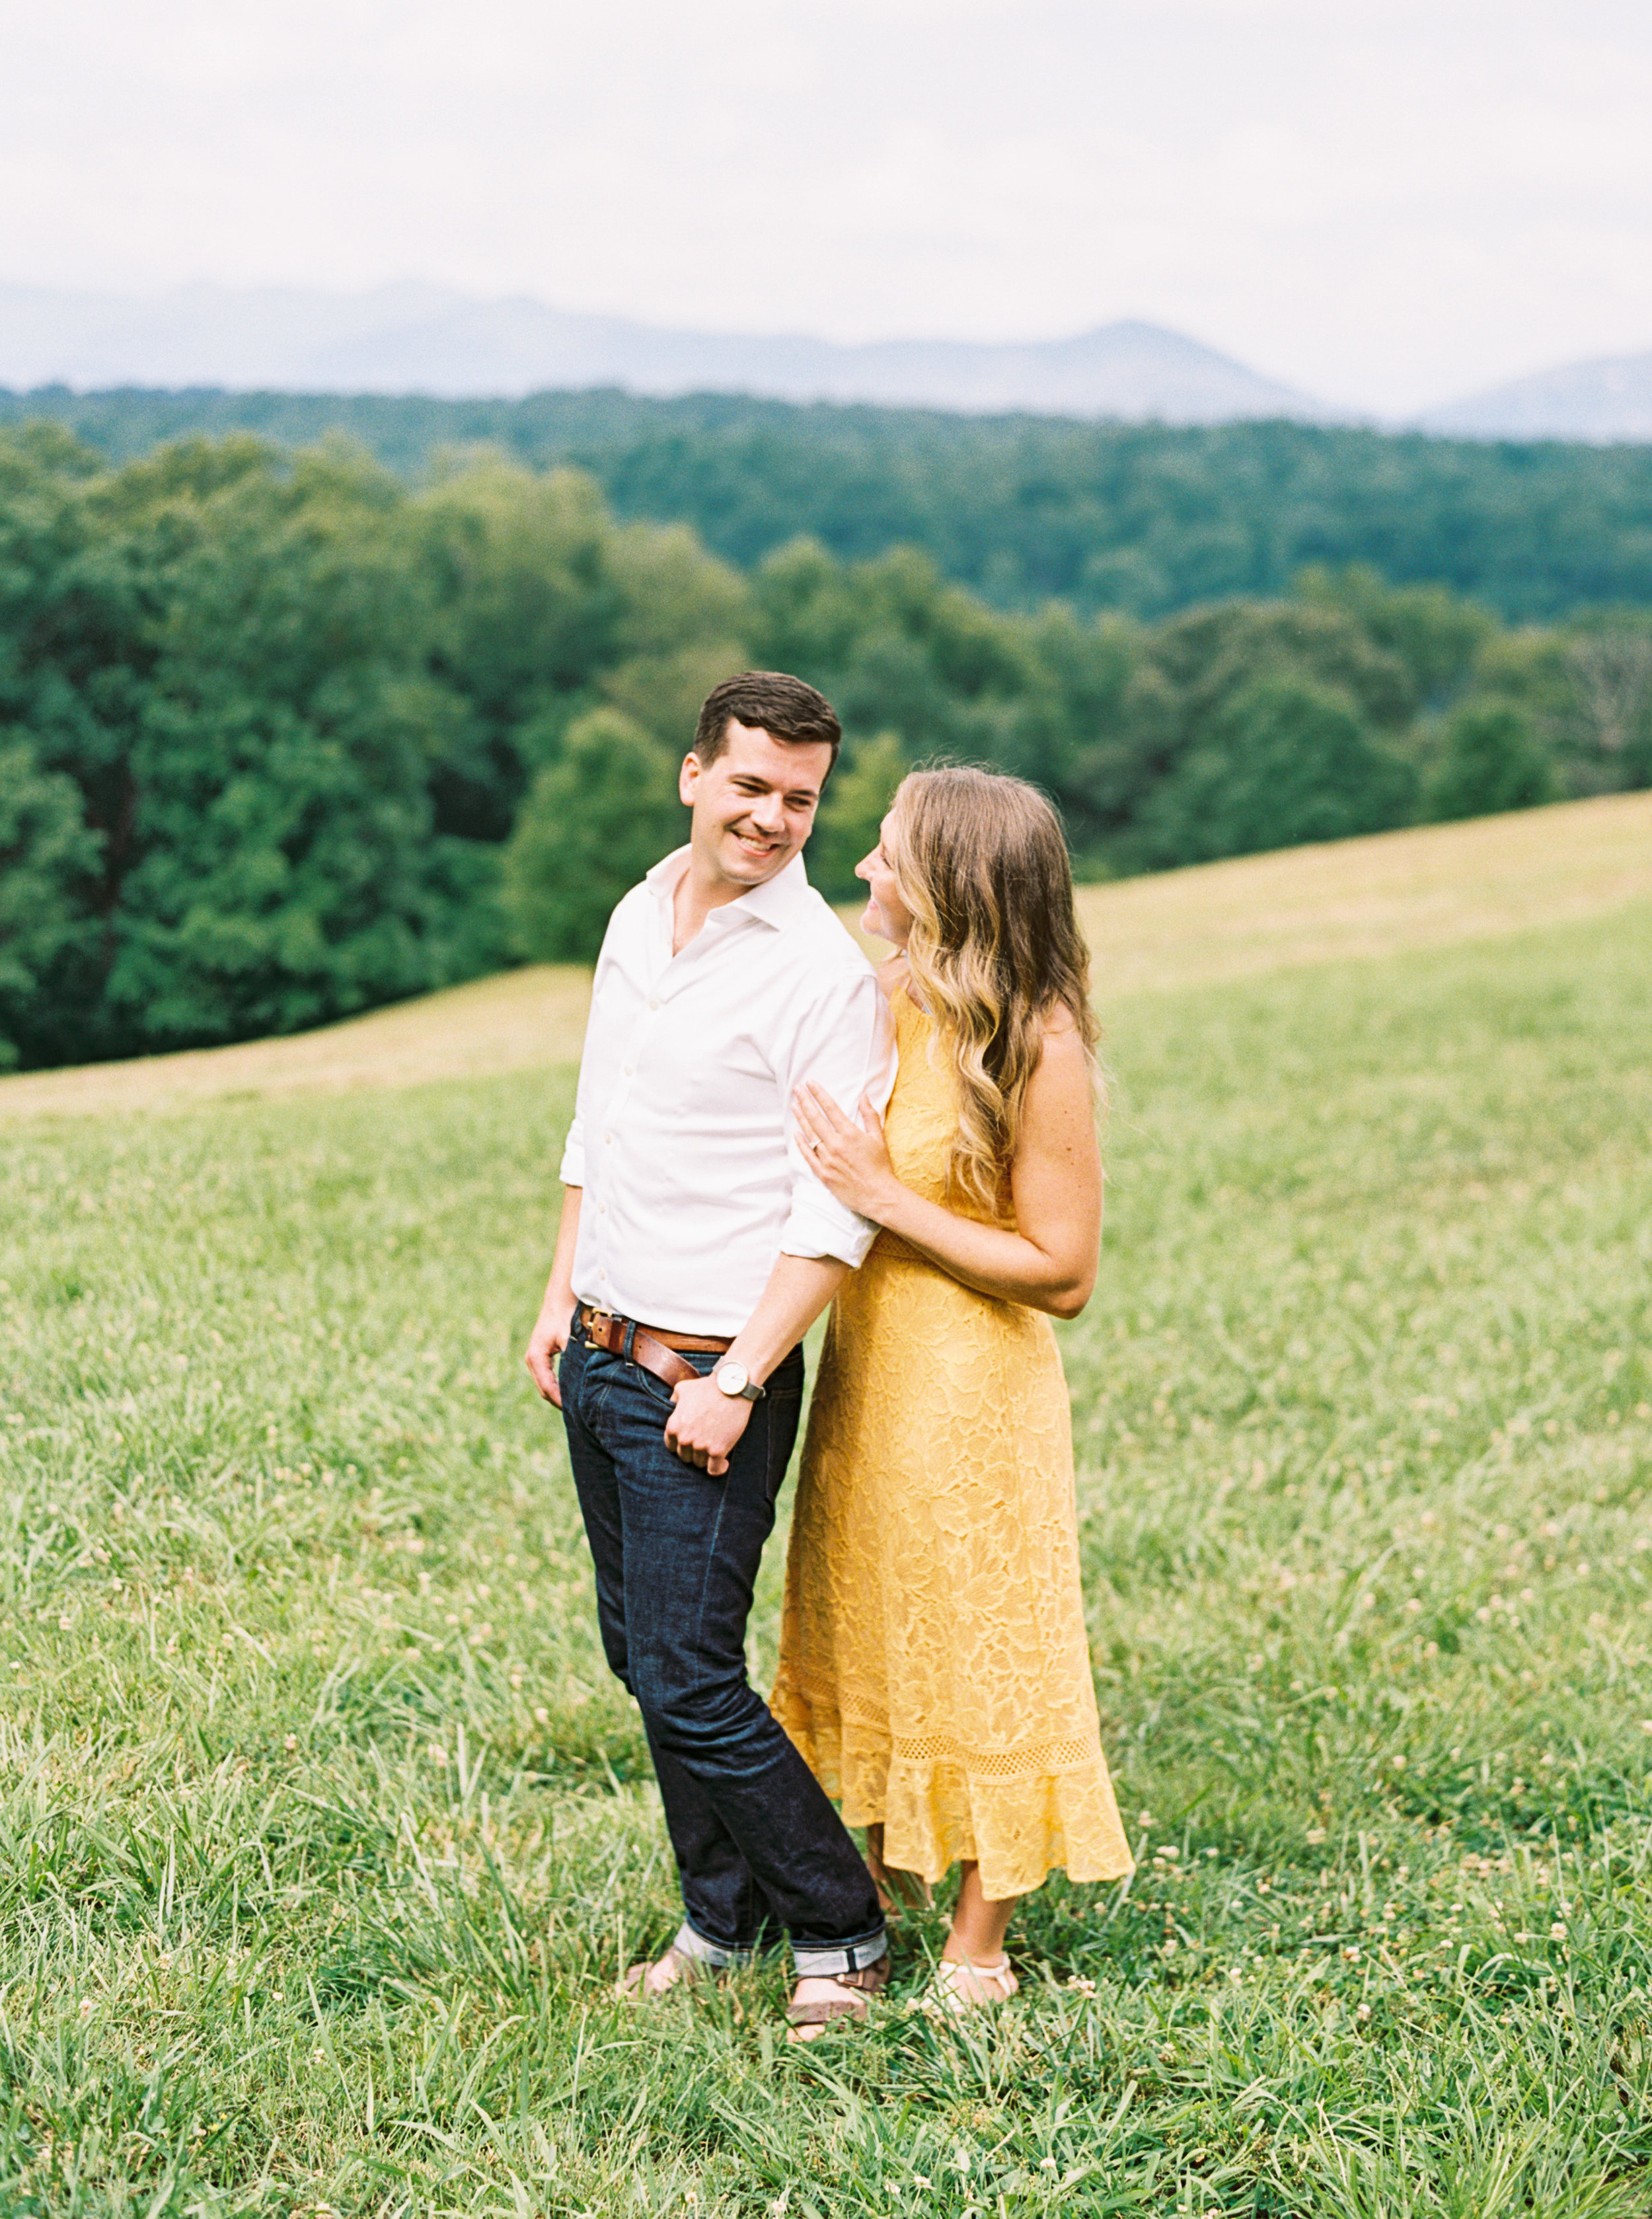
1386, 203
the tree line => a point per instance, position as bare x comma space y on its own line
1142, 517
282, 738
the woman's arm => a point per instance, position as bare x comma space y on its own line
1049, 1262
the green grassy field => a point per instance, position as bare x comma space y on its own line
323, 1831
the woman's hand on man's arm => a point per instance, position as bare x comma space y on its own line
850, 1159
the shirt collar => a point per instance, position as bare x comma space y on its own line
780, 901
666, 874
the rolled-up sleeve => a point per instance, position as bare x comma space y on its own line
843, 1039
600, 1052
571, 1172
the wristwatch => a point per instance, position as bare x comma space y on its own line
735, 1380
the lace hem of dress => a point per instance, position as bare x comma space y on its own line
1020, 1814
822, 1700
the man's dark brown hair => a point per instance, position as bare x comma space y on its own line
779, 705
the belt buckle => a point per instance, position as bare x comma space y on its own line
591, 1317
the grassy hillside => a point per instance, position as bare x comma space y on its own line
323, 1830
1425, 887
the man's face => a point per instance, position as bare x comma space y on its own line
754, 806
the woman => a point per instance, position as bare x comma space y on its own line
933, 1665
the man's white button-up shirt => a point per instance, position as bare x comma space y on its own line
683, 1138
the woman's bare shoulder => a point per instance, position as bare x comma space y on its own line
1063, 1037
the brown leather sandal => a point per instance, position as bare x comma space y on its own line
632, 1986
808, 2020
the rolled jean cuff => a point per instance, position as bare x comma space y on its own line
832, 1959
688, 1943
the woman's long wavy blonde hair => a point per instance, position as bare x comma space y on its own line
994, 949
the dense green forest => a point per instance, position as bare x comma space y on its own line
1145, 518
283, 736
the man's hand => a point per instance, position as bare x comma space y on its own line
705, 1424
546, 1343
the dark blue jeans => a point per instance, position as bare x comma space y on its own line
759, 1846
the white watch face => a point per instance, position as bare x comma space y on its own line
732, 1379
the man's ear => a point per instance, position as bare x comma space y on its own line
688, 779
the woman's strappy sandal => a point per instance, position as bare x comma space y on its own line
807, 2022
959, 1987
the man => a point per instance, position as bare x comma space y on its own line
695, 1250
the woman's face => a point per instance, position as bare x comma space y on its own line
887, 916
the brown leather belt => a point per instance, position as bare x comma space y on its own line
652, 1347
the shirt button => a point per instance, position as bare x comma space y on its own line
602, 1210
607, 1139
628, 1071
654, 1004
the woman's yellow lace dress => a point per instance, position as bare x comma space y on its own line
934, 1666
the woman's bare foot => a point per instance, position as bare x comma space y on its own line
974, 1973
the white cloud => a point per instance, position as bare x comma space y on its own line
1381, 200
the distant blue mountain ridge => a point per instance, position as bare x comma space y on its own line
1603, 401
416, 339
